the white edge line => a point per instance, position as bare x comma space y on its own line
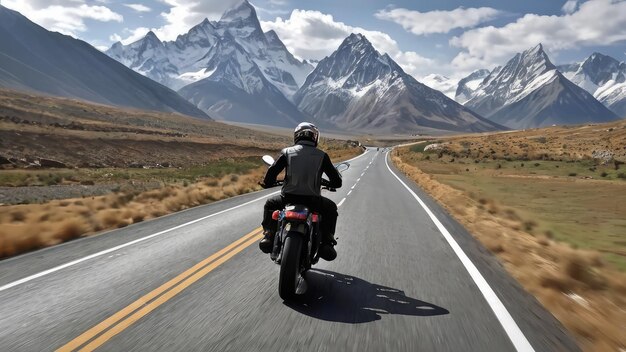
511, 328
356, 157
106, 251
349, 193
340, 203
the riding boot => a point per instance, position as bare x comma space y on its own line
327, 248
267, 242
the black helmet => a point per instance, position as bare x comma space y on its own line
306, 131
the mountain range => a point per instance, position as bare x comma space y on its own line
602, 76
232, 70
35, 59
357, 88
229, 68
466, 86
529, 91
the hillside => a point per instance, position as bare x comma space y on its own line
35, 59
80, 134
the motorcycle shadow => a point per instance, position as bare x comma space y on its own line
347, 299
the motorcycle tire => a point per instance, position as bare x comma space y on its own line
290, 266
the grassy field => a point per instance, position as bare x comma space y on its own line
553, 195
88, 176
550, 204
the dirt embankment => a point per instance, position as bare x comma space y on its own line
576, 285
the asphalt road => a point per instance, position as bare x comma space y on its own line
407, 278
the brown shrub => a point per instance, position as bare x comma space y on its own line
212, 183
17, 216
69, 229
108, 218
580, 269
19, 238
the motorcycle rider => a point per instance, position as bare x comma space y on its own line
304, 165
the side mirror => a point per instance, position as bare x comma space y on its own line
268, 160
342, 167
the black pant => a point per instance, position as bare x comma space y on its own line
321, 205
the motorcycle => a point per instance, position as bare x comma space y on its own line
296, 241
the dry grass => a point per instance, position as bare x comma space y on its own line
575, 285
32, 226
567, 143
81, 134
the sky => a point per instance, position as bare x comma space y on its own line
447, 37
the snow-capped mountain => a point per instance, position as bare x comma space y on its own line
32, 58
602, 76
444, 84
357, 88
530, 92
469, 84
181, 62
235, 89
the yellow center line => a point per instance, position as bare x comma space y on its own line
183, 281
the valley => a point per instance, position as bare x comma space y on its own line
70, 168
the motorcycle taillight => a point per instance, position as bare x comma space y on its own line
294, 215
275, 215
315, 218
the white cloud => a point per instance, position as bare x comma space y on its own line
65, 16
596, 22
313, 35
181, 16
115, 37
184, 14
420, 23
138, 7
272, 11
570, 6
279, 2
131, 35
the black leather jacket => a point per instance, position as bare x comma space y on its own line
304, 165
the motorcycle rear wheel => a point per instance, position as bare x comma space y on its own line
290, 266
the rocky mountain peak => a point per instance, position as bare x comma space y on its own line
357, 88
536, 60
355, 63
151, 40
240, 11
599, 68
357, 42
